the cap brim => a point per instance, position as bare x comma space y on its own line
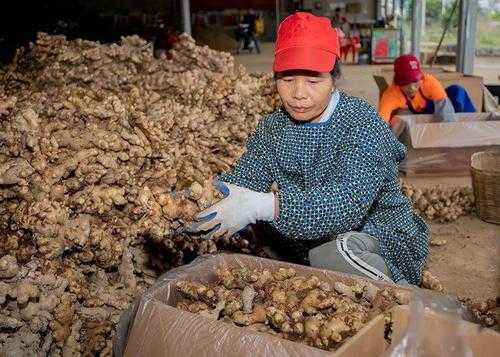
407, 81
311, 59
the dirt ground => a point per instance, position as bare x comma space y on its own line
468, 265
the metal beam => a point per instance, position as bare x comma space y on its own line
467, 36
186, 16
416, 26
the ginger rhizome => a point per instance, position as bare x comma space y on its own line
279, 302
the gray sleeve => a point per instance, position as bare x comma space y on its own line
443, 110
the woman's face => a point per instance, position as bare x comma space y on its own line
411, 90
305, 94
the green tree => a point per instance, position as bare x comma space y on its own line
454, 20
433, 10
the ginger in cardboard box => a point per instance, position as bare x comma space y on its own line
297, 308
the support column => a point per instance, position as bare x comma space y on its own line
416, 27
186, 16
284, 7
402, 45
423, 17
378, 9
277, 10
466, 49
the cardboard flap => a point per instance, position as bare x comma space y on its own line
382, 83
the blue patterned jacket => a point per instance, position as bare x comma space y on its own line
337, 176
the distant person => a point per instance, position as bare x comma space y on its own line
350, 42
164, 40
242, 35
417, 92
160, 40
251, 41
200, 20
340, 21
249, 19
260, 26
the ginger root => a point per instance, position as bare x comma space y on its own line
431, 282
8, 267
257, 315
485, 313
195, 290
332, 330
247, 296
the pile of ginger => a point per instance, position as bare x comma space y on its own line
438, 204
106, 153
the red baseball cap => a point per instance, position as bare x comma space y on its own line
407, 70
306, 41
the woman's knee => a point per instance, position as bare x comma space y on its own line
359, 242
353, 253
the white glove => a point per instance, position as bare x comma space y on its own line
239, 208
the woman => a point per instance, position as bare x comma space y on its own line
421, 93
335, 162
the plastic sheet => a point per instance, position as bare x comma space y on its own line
449, 341
160, 329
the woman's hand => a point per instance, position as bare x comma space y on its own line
239, 208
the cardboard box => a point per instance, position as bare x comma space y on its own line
473, 84
440, 335
160, 329
445, 148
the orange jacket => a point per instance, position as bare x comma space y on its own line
394, 99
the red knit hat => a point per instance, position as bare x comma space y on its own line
407, 70
306, 41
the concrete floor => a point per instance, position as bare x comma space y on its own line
358, 79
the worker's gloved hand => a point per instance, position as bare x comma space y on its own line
239, 208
